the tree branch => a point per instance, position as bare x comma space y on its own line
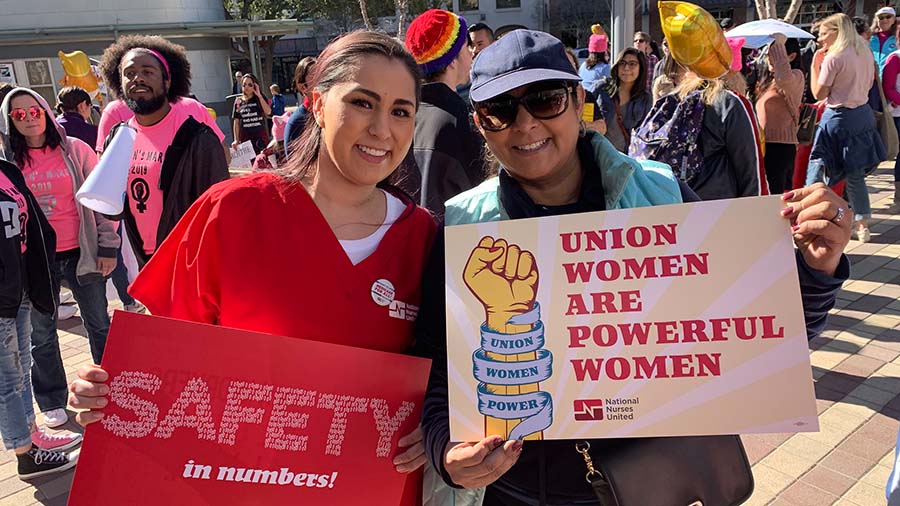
793, 10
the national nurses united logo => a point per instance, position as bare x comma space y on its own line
511, 362
588, 410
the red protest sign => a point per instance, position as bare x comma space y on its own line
201, 414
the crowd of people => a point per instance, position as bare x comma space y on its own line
391, 141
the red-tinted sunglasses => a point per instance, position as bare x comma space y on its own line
20, 114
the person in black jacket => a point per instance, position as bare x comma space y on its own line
27, 245
446, 155
176, 158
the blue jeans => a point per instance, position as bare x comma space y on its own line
48, 374
857, 193
16, 409
119, 276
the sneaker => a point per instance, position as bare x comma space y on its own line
65, 297
136, 307
39, 462
863, 234
55, 417
65, 312
62, 440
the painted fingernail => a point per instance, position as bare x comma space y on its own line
787, 196
787, 210
795, 228
517, 446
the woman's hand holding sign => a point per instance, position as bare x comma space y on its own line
89, 392
474, 465
414, 457
821, 223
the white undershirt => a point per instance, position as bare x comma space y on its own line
360, 249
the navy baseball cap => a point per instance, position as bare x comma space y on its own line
518, 58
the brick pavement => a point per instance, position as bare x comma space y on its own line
856, 365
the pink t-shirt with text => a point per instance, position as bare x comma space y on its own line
116, 112
145, 198
13, 219
49, 180
849, 76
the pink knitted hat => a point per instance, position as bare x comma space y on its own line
598, 43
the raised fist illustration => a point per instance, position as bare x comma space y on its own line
504, 278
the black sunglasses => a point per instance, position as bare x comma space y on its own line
499, 113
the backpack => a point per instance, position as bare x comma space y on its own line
670, 133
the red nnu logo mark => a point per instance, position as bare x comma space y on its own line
587, 410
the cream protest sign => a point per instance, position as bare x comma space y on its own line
658, 321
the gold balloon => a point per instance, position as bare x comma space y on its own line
695, 39
78, 72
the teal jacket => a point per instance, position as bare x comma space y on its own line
627, 183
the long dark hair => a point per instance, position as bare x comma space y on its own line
640, 86
595, 59
17, 142
256, 82
338, 64
301, 72
765, 77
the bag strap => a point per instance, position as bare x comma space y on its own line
583, 447
621, 122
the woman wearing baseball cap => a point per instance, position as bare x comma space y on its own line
528, 102
884, 35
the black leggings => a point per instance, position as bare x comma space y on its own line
779, 162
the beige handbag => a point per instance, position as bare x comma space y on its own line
885, 122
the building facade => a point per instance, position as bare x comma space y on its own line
33, 32
500, 13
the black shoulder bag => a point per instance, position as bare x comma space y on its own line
807, 123
670, 471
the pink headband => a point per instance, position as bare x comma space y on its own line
158, 56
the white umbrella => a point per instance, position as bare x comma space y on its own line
759, 33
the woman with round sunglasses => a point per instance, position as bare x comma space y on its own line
625, 97
528, 104
55, 167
